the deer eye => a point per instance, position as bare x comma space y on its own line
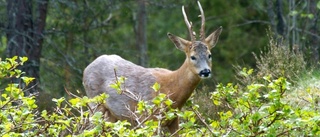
209, 56
193, 58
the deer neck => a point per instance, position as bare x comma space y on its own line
182, 82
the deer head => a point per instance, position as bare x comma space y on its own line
197, 52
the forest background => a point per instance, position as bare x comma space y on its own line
62, 37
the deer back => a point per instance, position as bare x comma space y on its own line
103, 71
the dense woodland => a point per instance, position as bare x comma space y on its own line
61, 37
265, 66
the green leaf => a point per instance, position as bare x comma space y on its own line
27, 80
58, 101
250, 71
168, 102
170, 115
156, 87
229, 114
214, 124
44, 114
256, 116
4, 39
17, 73
156, 101
8, 126
121, 79
318, 5
141, 106
74, 101
159, 99
293, 13
114, 86
310, 16
97, 116
12, 60
216, 102
23, 59
6, 135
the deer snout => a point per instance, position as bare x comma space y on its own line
206, 73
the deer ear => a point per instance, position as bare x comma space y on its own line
180, 43
213, 38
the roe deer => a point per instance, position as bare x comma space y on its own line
178, 84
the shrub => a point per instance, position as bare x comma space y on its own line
17, 111
19, 115
255, 114
279, 60
246, 112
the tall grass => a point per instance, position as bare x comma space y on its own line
277, 60
306, 92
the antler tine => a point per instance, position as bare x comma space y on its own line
189, 25
202, 31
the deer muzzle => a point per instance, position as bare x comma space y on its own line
205, 73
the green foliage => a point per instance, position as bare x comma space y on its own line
261, 108
19, 115
253, 113
17, 112
8, 67
118, 83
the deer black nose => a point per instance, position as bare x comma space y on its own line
205, 73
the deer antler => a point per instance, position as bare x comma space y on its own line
189, 25
202, 31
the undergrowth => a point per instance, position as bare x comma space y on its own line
278, 60
278, 98
306, 93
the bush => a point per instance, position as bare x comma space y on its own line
279, 60
255, 114
19, 115
246, 112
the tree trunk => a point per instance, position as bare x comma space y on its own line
25, 36
141, 37
271, 14
275, 13
314, 41
281, 26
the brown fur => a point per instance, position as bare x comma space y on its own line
178, 84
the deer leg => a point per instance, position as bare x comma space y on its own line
174, 127
109, 117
